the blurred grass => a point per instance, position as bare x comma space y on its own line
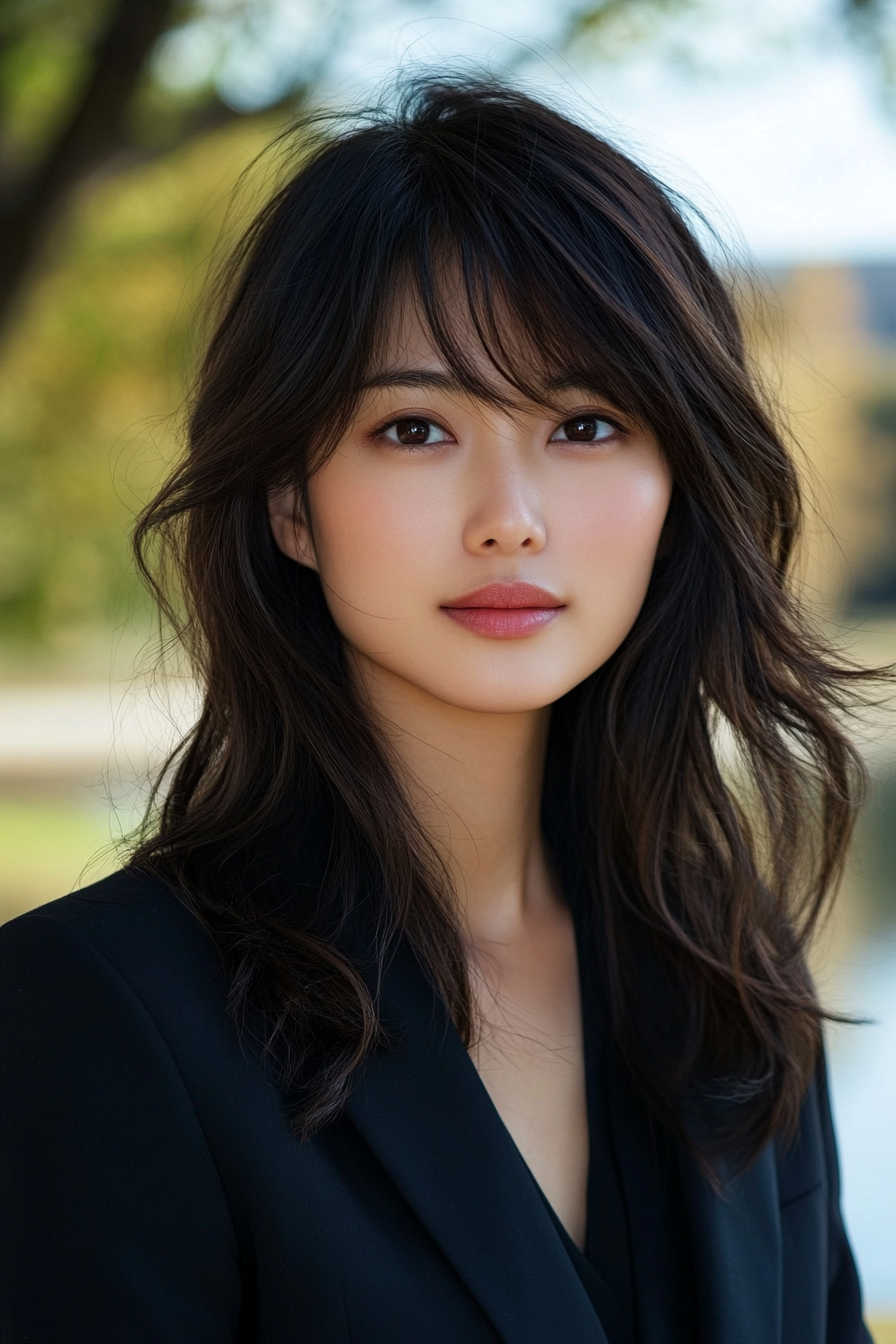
883, 1330
51, 843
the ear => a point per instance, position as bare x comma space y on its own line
290, 528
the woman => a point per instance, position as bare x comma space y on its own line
459, 993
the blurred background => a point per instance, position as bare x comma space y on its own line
125, 130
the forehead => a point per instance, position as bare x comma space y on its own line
407, 340
489, 355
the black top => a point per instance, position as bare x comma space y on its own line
636, 1218
151, 1190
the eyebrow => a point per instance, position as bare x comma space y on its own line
426, 378
572, 383
447, 382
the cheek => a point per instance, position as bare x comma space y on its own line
610, 541
618, 524
375, 532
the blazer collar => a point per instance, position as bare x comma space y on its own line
426, 1114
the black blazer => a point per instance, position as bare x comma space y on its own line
153, 1194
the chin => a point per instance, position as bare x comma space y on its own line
480, 681
499, 704
482, 695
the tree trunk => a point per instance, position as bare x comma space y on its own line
92, 134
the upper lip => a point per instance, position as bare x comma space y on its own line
507, 596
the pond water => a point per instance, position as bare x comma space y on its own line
863, 1058
863, 1085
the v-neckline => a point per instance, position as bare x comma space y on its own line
584, 1034
428, 1116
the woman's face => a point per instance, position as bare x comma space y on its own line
489, 558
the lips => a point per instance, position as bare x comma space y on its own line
506, 597
505, 610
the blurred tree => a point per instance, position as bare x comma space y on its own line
82, 92
60, 124
90, 385
614, 27
83, 86
872, 24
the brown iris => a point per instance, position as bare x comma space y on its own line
582, 428
412, 431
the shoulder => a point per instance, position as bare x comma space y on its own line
122, 902
129, 928
108, 1033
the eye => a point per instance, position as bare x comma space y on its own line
414, 432
584, 429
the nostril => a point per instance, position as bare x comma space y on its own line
528, 541
490, 541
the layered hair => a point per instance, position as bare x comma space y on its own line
701, 776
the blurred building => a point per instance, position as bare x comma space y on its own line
828, 346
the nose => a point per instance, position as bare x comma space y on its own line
505, 518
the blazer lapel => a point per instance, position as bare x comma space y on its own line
656, 1265
736, 1240
426, 1114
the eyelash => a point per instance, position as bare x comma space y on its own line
409, 447
599, 416
380, 431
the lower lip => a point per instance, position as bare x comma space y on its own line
503, 622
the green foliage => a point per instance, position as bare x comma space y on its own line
614, 29
92, 380
51, 843
44, 57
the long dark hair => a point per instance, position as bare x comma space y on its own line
704, 782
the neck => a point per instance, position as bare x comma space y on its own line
475, 782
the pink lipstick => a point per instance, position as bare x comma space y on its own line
505, 610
